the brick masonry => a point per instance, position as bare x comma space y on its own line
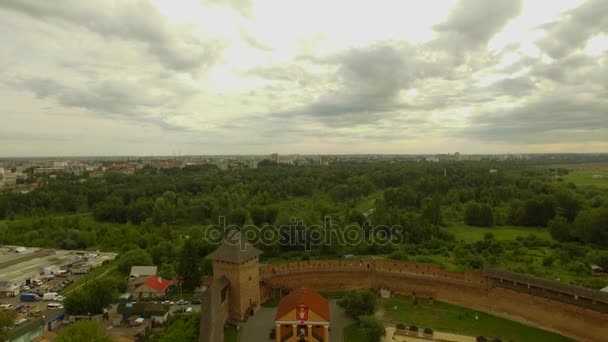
469, 289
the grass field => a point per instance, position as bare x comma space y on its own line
472, 234
584, 177
451, 318
352, 333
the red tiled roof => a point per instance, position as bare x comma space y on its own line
157, 283
307, 296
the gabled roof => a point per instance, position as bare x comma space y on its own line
157, 283
306, 296
138, 271
235, 249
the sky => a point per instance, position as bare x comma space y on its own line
182, 77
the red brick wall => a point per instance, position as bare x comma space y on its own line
469, 289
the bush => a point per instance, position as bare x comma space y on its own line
372, 328
356, 304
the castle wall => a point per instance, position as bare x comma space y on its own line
468, 289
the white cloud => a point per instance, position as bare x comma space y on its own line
224, 76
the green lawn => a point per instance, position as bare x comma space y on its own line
231, 334
472, 234
271, 303
451, 318
352, 333
584, 177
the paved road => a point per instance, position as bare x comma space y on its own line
257, 328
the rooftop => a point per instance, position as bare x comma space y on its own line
138, 271
306, 296
157, 283
235, 249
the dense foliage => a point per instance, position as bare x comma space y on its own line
180, 328
161, 216
84, 331
357, 304
92, 297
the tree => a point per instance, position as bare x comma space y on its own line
189, 264
591, 226
356, 304
84, 331
92, 298
134, 257
372, 328
7, 319
560, 229
181, 328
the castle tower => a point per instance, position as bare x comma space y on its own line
238, 261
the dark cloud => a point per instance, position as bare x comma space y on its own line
550, 119
136, 21
473, 22
367, 83
111, 98
574, 29
515, 87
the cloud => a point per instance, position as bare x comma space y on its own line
548, 119
131, 20
518, 86
473, 22
574, 28
243, 7
136, 101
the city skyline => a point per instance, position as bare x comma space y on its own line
222, 77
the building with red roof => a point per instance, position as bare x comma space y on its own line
154, 287
303, 315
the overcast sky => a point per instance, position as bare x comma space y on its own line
144, 77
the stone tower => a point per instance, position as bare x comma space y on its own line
238, 261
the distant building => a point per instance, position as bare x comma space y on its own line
597, 176
275, 158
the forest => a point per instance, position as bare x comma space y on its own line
512, 215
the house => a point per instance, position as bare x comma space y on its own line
143, 271
598, 270
153, 287
302, 315
139, 275
158, 313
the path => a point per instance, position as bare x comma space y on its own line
86, 280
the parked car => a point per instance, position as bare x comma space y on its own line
54, 306
196, 301
182, 302
6, 306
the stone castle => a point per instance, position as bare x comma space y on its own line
241, 284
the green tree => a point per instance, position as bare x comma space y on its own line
84, 331
92, 298
189, 264
134, 257
357, 303
372, 329
560, 229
